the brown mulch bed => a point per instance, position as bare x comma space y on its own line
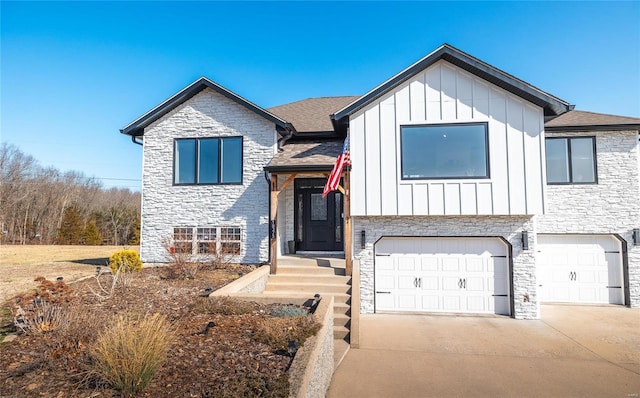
224, 360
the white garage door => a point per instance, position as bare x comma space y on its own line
580, 269
469, 275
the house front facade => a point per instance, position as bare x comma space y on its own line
469, 190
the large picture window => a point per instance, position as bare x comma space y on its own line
445, 151
571, 160
208, 161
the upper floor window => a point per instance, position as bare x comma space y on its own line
445, 151
207, 161
571, 160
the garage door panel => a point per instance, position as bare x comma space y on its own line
428, 264
406, 282
586, 276
477, 303
578, 268
407, 301
561, 275
450, 283
475, 284
430, 303
451, 303
475, 265
587, 294
406, 263
589, 258
562, 293
385, 282
384, 263
385, 302
430, 283
450, 264
443, 275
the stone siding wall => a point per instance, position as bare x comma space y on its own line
508, 227
164, 206
612, 206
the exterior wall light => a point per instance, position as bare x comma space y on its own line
525, 240
363, 239
636, 236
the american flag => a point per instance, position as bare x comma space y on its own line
334, 178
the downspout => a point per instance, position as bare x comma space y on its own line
268, 178
290, 133
133, 139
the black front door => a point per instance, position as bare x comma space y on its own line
318, 220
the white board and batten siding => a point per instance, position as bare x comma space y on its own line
444, 93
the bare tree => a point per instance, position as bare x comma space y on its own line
33, 201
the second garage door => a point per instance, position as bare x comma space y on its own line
580, 269
461, 275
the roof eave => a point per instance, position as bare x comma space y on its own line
299, 168
136, 127
595, 127
551, 104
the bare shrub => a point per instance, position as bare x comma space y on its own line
220, 259
250, 385
42, 310
278, 332
127, 355
222, 306
68, 341
183, 263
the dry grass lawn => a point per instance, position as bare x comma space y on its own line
20, 265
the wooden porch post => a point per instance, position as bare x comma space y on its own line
273, 223
348, 252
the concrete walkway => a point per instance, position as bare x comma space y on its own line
574, 351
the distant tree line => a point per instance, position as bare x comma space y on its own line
41, 205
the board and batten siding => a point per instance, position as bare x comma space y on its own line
444, 93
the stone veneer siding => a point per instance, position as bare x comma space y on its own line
165, 206
612, 206
509, 227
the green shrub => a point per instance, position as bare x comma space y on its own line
125, 261
128, 354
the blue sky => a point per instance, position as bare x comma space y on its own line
74, 73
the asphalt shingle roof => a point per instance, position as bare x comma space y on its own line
584, 119
312, 114
319, 154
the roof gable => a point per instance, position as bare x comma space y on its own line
551, 104
136, 128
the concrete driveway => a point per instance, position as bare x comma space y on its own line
574, 351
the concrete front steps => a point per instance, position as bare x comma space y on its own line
304, 276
